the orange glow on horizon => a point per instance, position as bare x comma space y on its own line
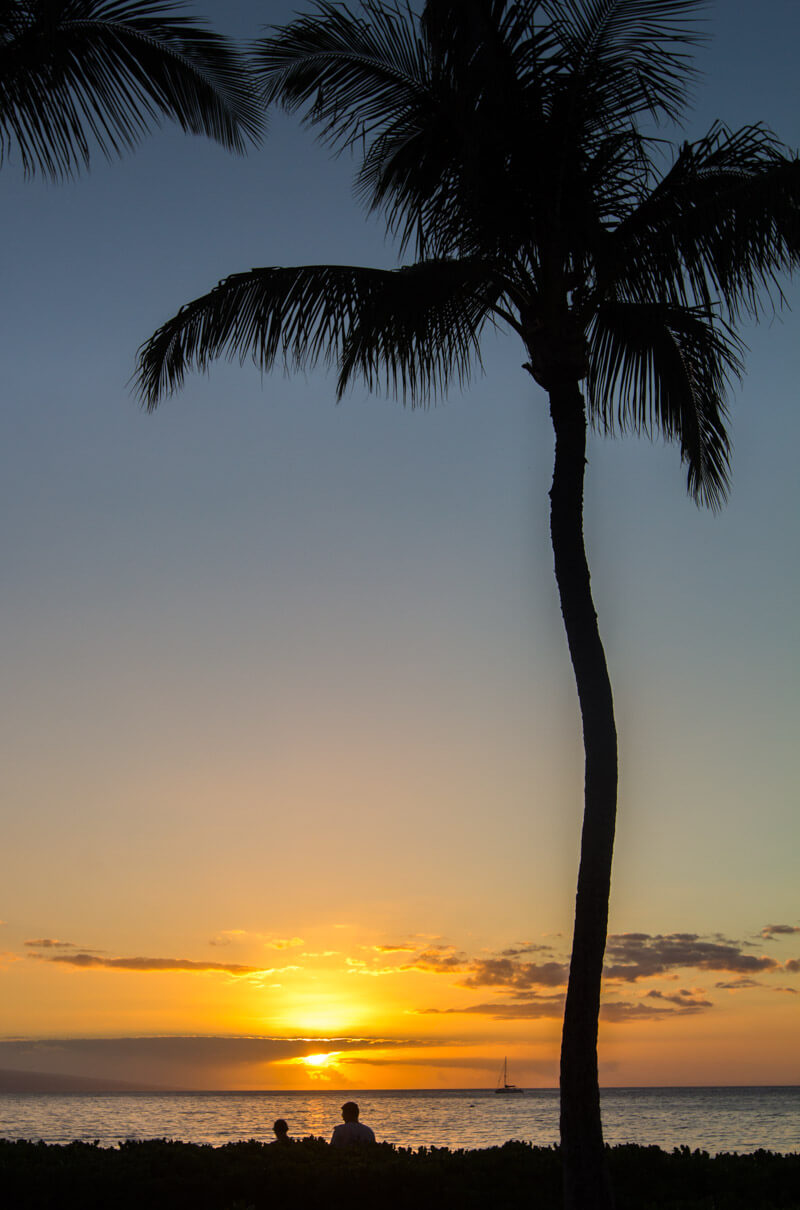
440, 1016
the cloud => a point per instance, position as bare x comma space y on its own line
640, 956
359, 968
516, 976
526, 1008
227, 937
176, 1062
526, 947
632, 956
770, 931
791, 990
644, 1010
52, 943
87, 961
683, 998
655, 1006
460, 1064
238, 936
439, 958
503, 972
436, 959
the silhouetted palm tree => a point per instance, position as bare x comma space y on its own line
78, 76
504, 143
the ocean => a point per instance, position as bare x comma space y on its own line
711, 1119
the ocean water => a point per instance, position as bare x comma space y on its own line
712, 1119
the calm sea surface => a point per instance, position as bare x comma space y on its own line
713, 1119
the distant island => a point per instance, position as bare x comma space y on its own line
41, 1081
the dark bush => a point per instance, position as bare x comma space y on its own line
164, 1175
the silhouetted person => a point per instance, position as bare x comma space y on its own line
351, 1131
281, 1131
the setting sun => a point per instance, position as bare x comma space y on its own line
322, 1060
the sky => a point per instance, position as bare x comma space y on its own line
292, 768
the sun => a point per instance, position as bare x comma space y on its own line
318, 1062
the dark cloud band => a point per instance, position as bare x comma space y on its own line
639, 956
88, 961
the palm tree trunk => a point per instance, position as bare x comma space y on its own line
586, 1181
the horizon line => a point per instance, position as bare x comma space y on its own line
480, 1088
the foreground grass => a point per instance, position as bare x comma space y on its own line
162, 1175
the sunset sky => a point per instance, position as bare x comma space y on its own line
291, 757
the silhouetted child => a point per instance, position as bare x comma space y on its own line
281, 1131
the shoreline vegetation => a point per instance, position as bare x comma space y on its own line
168, 1175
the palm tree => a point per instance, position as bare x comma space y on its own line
506, 143
80, 76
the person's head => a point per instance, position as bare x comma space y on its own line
281, 1129
350, 1111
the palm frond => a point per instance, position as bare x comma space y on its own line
656, 367
624, 58
436, 105
461, 156
360, 320
353, 74
86, 75
724, 223
422, 329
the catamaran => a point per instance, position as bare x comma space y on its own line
502, 1082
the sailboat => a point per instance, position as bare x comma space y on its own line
503, 1085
